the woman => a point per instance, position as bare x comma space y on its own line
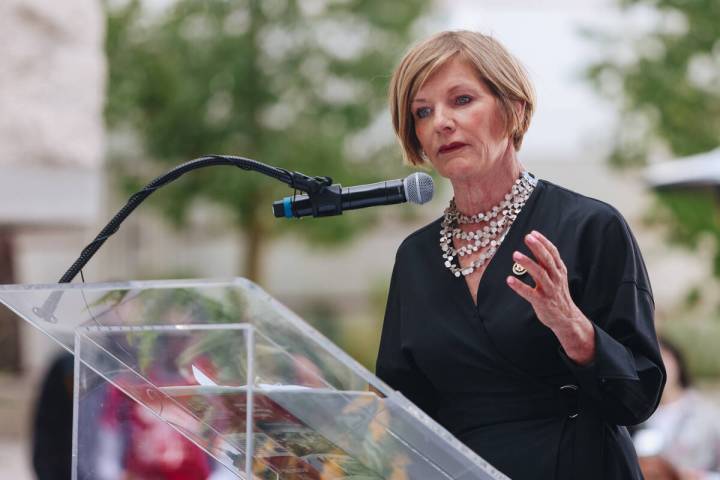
527, 329
685, 429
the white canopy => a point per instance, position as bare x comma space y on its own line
696, 170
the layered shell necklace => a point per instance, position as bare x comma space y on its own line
489, 237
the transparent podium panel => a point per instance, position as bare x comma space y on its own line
219, 379
145, 409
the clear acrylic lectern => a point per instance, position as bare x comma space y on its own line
220, 376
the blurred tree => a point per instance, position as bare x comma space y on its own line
297, 84
668, 94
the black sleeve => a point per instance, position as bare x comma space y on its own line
626, 378
395, 365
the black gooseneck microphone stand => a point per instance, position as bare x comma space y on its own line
315, 187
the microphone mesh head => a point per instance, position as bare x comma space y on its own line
419, 187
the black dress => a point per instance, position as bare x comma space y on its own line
497, 378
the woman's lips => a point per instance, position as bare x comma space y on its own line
451, 147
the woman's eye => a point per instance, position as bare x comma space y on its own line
463, 99
422, 112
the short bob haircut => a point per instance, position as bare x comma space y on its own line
500, 71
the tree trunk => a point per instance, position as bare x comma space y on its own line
9, 323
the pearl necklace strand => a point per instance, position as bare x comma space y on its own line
498, 221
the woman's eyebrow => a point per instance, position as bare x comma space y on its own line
462, 86
459, 86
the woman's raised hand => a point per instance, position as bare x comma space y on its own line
551, 300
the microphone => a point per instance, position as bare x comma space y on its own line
332, 200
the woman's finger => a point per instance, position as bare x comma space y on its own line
559, 264
538, 273
543, 255
525, 291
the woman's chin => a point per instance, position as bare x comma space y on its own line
464, 170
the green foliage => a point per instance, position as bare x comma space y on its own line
669, 97
693, 215
670, 84
277, 80
698, 342
692, 298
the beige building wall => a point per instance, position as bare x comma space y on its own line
52, 86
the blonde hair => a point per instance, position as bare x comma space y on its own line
500, 71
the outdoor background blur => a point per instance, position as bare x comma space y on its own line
98, 98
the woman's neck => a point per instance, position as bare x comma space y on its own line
481, 194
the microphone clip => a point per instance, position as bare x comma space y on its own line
327, 201
307, 184
325, 198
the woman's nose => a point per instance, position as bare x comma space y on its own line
443, 119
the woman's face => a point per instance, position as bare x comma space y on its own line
459, 122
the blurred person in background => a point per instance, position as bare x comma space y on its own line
522, 319
53, 421
685, 429
658, 468
133, 442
